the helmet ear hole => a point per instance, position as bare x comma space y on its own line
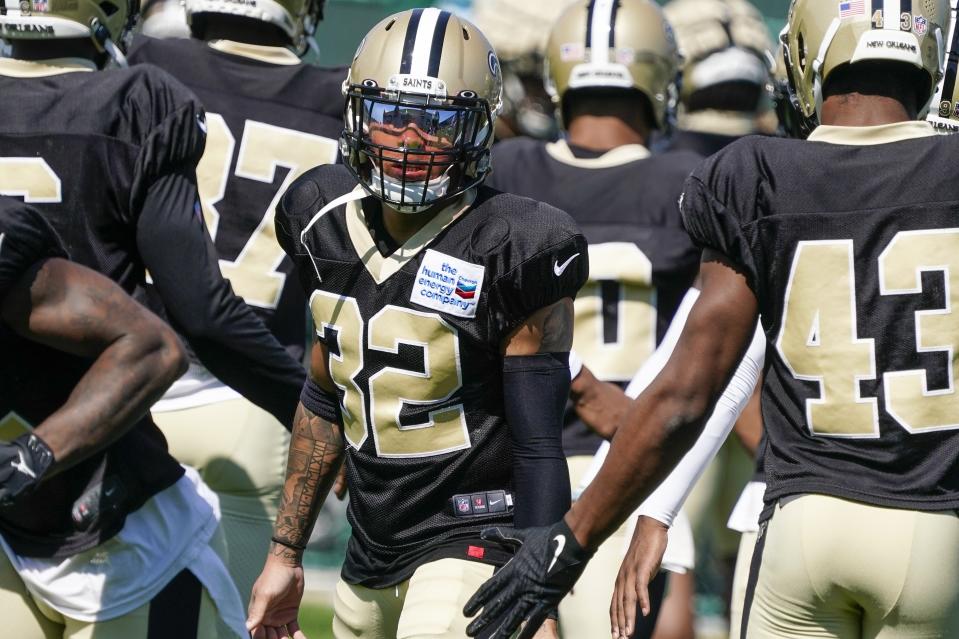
801, 45
108, 8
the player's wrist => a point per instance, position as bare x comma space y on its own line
285, 552
580, 528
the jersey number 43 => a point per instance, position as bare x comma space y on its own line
819, 339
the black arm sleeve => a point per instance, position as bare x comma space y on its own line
226, 335
535, 388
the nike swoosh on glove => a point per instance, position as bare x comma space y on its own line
547, 563
23, 464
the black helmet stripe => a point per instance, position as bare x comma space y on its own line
406, 62
952, 66
423, 46
436, 47
601, 29
612, 24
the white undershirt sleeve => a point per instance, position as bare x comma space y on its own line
669, 497
665, 502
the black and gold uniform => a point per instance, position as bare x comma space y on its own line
641, 259
414, 334
855, 281
269, 118
108, 157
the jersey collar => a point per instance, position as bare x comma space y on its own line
731, 123
271, 55
381, 268
619, 156
14, 68
867, 135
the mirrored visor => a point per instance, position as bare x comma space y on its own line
438, 128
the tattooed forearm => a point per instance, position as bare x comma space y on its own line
316, 451
136, 357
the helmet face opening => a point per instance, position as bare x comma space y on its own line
414, 151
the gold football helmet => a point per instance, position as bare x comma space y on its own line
822, 35
421, 98
296, 18
107, 22
624, 44
721, 41
944, 109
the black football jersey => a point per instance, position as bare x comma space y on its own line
852, 251
415, 339
34, 382
66, 147
641, 260
267, 123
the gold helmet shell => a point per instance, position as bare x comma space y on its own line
107, 22
822, 35
625, 44
298, 19
720, 41
432, 72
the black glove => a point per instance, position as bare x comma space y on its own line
547, 563
23, 463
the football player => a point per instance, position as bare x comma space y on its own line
444, 318
131, 203
269, 118
612, 70
727, 59
88, 493
852, 274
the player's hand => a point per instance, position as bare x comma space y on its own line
639, 567
600, 405
23, 464
275, 602
547, 563
339, 485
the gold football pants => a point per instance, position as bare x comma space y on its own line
829, 567
240, 452
428, 605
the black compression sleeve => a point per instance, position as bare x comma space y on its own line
535, 389
320, 402
226, 335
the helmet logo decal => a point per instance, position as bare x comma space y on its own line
572, 52
851, 8
493, 63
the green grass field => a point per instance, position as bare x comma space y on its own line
316, 621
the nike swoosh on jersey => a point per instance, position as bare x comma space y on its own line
559, 269
560, 545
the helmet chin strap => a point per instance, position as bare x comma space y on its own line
393, 190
